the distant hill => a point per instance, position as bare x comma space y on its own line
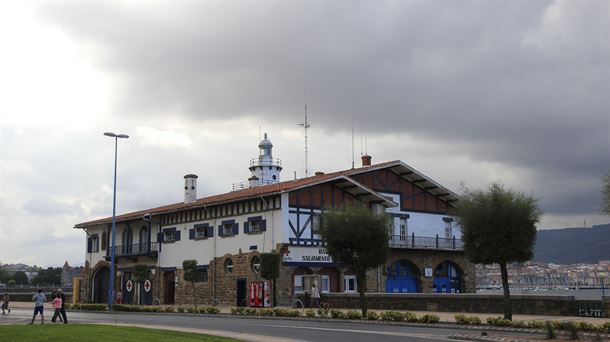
573, 245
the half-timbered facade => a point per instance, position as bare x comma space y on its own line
227, 233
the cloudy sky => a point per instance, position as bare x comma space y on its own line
464, 91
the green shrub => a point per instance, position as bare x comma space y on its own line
429, 318
353, 314
250, 311
180, 309
310, 313
585, 326
499, 322
519, 324
93, 307
606, 327
372, 316
392, 316
334, 313
264, 312
536, 324
573, 330
238, 310
549, 329
75, 306
169, 309
286, 312
212, 310
323, 313
191, 309
463, 319
410, 317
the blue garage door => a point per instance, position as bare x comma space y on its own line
447, 279
402, 277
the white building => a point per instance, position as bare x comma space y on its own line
226, 234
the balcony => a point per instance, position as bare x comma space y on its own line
137, 249
424, 242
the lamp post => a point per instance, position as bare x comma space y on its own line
111, 287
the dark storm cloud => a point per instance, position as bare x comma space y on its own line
509, 81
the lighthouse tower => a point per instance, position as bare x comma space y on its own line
265, 169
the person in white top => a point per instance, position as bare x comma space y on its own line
315, 296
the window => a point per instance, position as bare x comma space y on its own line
104, 240
298, 283
448, 228
255, 226
316, 223
169, 236
227, 229
201, 233
202, 275
403, 229
229, 266
95, 243
256, 264
350, 284
324, 283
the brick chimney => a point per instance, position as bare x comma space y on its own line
366, 160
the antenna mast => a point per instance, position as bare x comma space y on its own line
305, 126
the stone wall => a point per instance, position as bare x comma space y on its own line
530, 305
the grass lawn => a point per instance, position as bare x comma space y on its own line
97, 333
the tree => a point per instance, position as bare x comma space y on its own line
357, 237
20, 278
50, 276
270, 269
498, 226
190, 274
606, 194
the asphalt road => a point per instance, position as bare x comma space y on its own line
253, 329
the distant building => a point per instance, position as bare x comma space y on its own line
227, 233
68, 273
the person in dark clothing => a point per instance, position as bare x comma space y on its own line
60, 292
5, 300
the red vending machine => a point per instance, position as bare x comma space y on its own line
259, 294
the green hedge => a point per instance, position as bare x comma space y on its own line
88, 307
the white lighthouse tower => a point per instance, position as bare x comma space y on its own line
265, 169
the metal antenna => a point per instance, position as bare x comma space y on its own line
352, 132
305, 126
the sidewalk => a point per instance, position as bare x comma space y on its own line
445, 317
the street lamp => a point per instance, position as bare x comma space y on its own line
111, 287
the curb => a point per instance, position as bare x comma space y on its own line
470, 337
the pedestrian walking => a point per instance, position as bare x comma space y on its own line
315, 296
5, 301
63, 306
39, 300
57, 307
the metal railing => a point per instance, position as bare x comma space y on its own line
425, 242
263, 161
246, 185
136, 249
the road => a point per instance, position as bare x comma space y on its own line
253, 329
